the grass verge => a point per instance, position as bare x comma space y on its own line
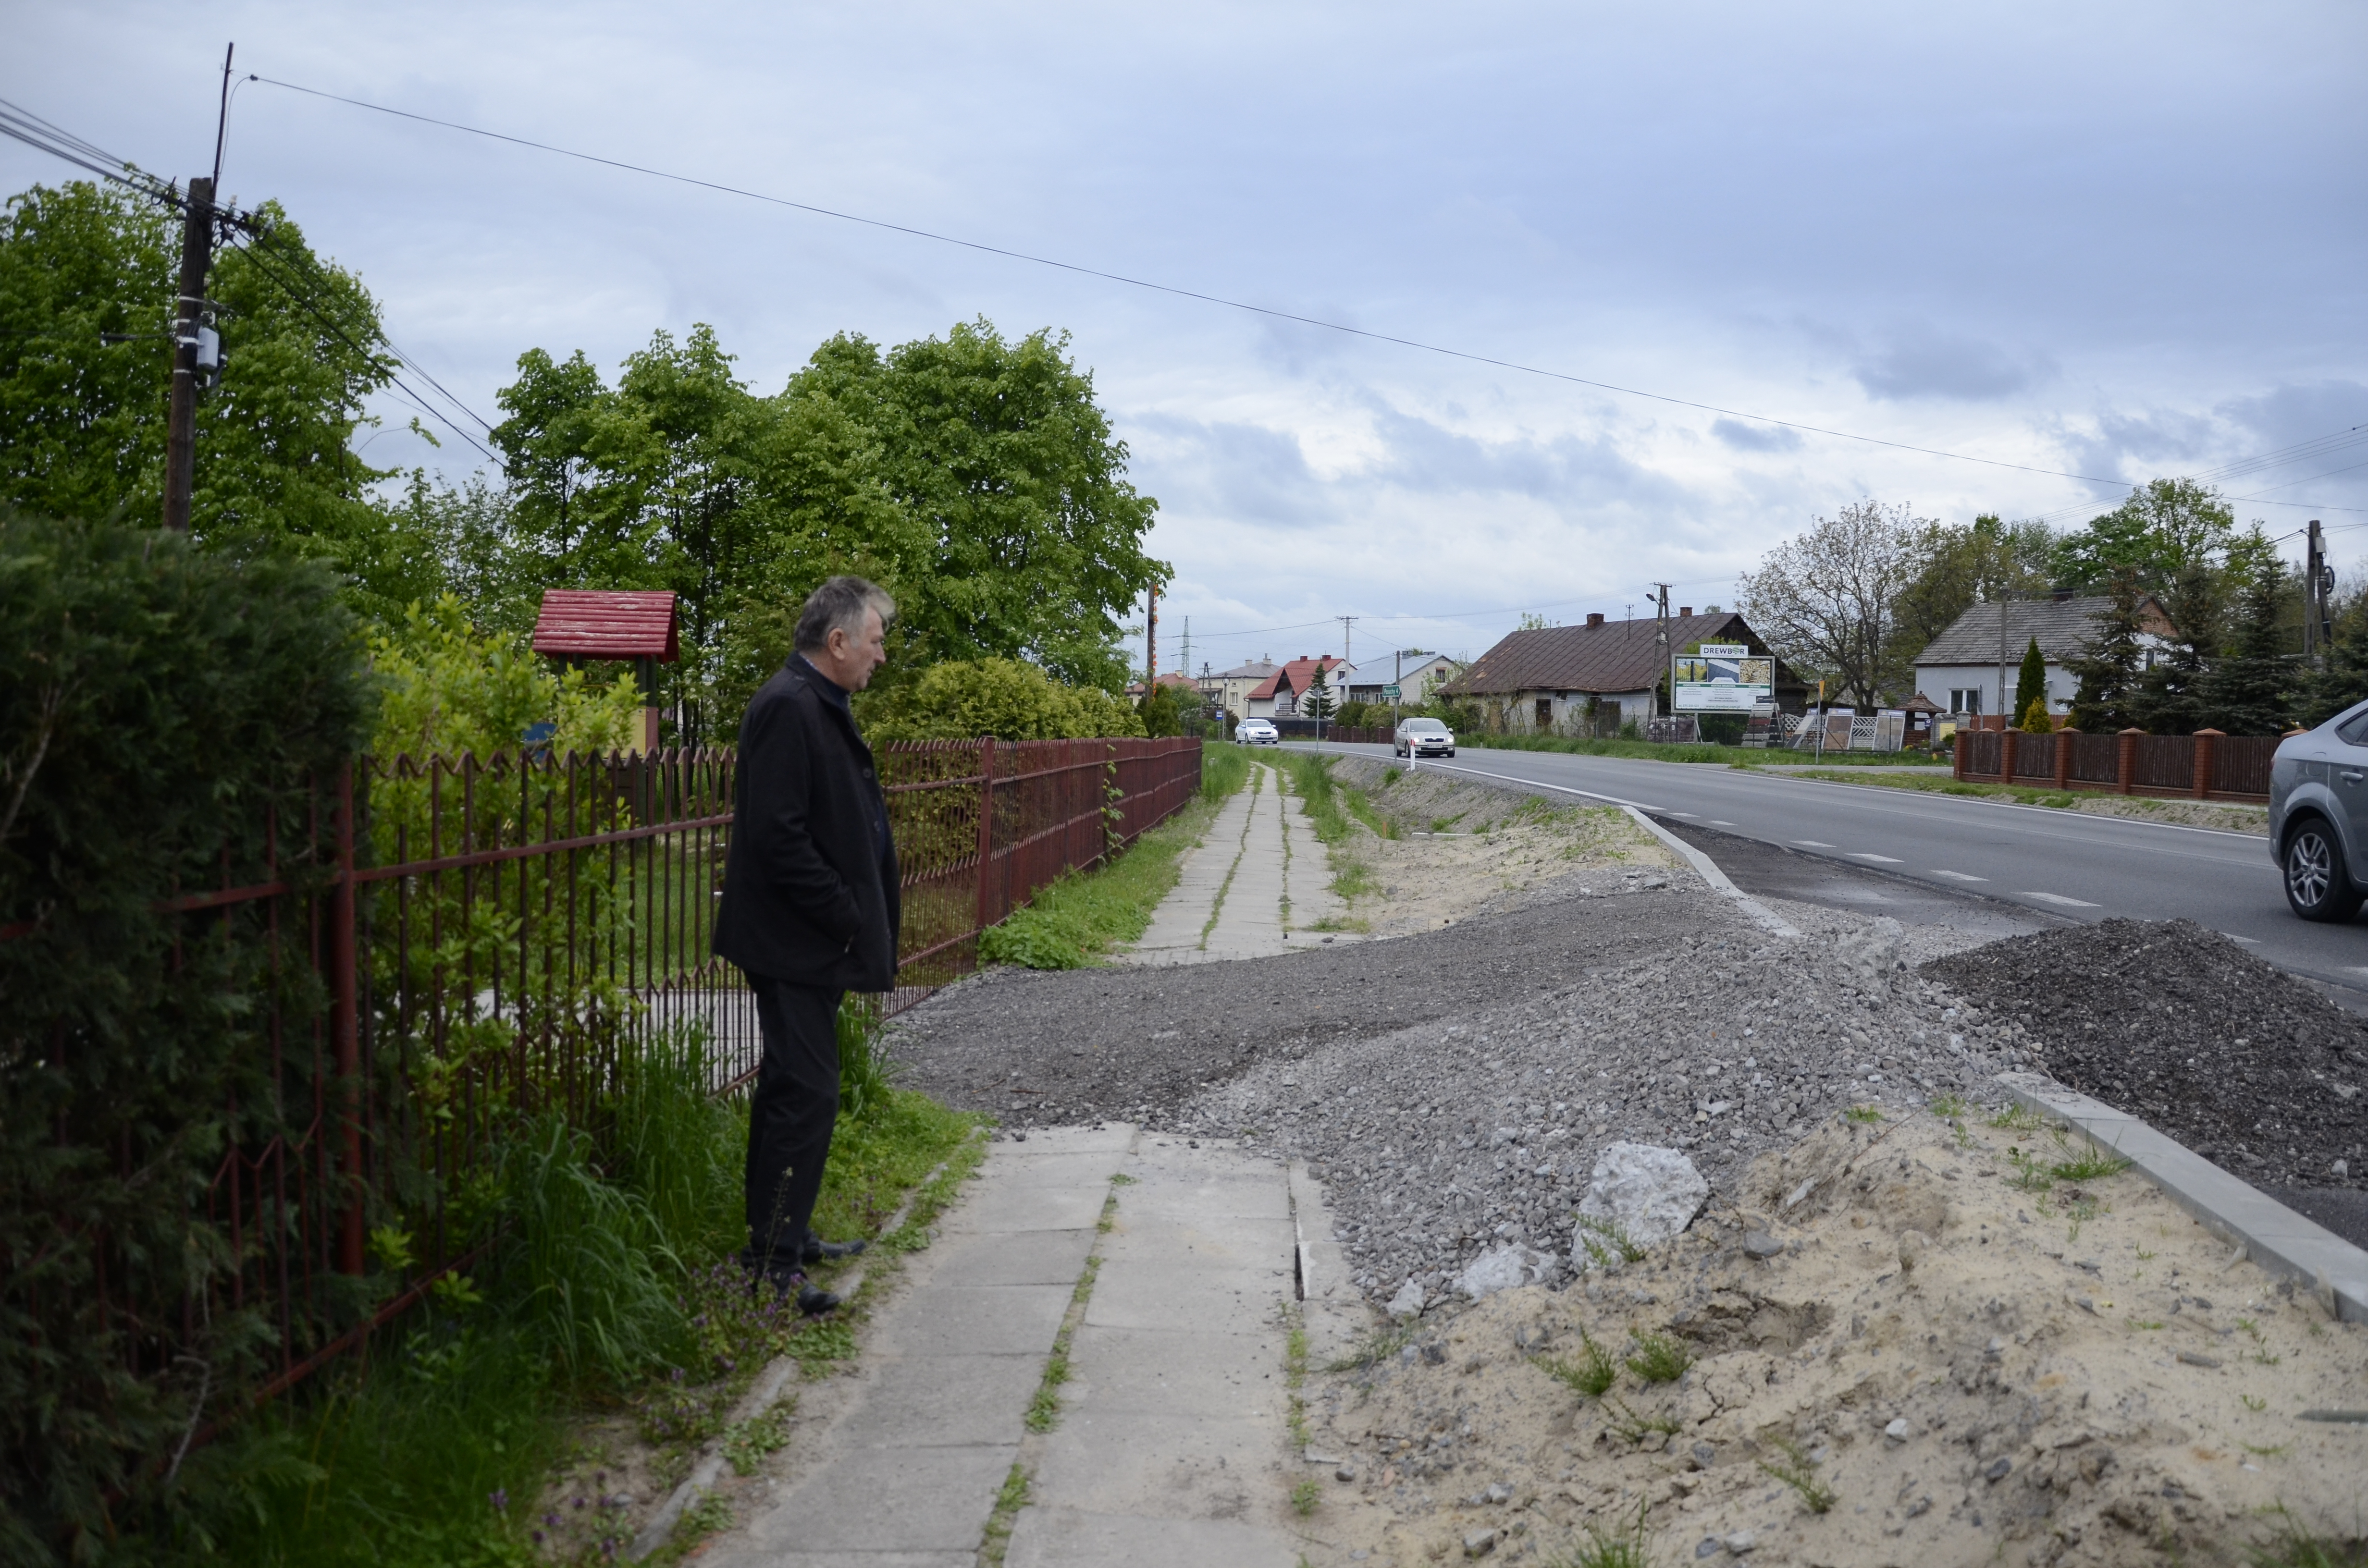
1074, 922
610, 1298
1333, 810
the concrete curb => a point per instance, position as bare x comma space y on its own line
2271, 1235
1331, 1311
1708, 871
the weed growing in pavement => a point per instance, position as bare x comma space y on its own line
2089, 1164
1660, 1357
1007, 1504
1949, 1108
1862, 1114
1294, 1372
1378, 1345
1799, 1473
2275, 1450
745, 1443
2031, 1174
712, 1513
1627, 1544
2012, 1118
2249, 1403
1608, 1246
1305, 1496
1594, 1373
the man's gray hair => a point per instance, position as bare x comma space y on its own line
839, 605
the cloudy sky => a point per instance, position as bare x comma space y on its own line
2105, 240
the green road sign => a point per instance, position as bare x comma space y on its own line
1391, 692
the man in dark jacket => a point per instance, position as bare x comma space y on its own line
810, 912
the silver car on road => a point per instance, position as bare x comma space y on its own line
2318, 816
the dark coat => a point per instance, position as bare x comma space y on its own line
809, 894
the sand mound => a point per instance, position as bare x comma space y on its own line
1967, 1364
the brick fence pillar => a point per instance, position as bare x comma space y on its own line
2064, 739
2206, 748
2007, 739
2125, 764
1957, 752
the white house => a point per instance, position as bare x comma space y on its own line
1963, 668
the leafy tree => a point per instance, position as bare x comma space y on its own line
1008, 699
2166, 525
86, 416
1826, 600
2035, 719
1157, 710
1957, 566
973, 477
2031, 680
2107, 669
2250, 690
2170, 698
446, 688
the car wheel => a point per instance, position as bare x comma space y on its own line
2316, 884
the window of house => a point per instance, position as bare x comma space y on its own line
1545, 710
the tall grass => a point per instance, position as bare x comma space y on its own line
1076, 920
1224, 769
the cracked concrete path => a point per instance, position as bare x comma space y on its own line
1172, 1444
1253, 887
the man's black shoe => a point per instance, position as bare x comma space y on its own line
788, 1283
816, 1251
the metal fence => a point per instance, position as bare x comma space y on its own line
495, 936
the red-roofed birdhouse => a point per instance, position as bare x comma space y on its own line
613, 623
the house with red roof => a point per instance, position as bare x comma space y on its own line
1281, 693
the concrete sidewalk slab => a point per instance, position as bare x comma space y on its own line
1071, 1538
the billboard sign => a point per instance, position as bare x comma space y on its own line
1721, 677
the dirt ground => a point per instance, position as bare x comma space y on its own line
1962, 1364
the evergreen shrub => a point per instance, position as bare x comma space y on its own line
160, 700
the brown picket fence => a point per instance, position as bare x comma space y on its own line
2206, 765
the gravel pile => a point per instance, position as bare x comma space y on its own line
1645, 1014
1054, 1047
1442, 1140
2243, 1063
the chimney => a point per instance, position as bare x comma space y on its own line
1685, 609
1595, 617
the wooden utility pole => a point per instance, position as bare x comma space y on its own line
188, 320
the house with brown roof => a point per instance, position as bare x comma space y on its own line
1281, 694
1972, 667
1592, 678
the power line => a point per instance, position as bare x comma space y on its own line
1172, 289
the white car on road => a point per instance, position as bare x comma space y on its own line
1423, 737
1258, 733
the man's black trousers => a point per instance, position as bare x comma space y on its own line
791, 1117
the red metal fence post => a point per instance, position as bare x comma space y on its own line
2125, 764
986, 829
2206, 749
344, 1036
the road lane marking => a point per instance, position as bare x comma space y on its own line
1811, 844
2248, 941
2059, 898
1957, 876
1884, 859
1716, 822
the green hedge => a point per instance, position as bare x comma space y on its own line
158, 700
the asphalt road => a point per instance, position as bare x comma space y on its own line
2031, 862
